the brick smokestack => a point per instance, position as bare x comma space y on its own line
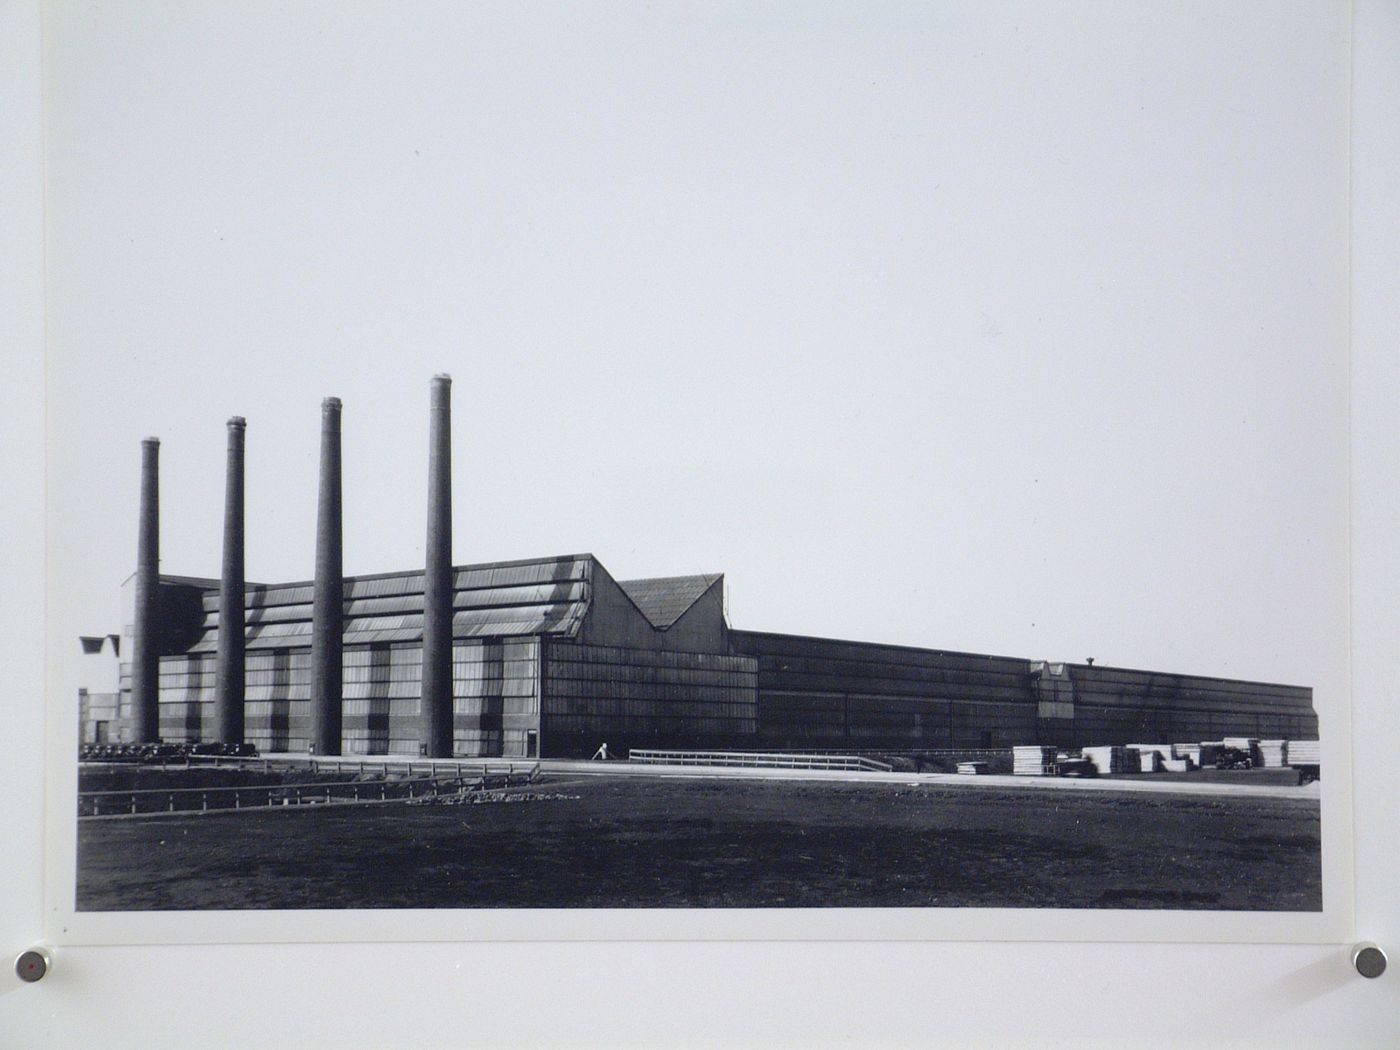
436, 716
145, 654
229, 673
328, 602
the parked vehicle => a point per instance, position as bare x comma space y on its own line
1233, 758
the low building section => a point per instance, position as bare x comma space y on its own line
553, 657
821, 693
1087, 704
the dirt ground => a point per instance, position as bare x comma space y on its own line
597, 842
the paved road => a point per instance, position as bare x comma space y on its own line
1159, 787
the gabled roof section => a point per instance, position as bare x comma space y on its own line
665, 599
495, 600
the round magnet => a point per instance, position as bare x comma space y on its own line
1369, 959
32, 965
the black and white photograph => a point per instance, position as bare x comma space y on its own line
821, 463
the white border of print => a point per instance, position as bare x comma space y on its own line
63, 925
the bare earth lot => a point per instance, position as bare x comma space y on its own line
697, 843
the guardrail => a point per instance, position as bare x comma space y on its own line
158, 801
758, 760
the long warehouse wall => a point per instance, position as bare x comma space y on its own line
1114, 705
819, 693
822, 693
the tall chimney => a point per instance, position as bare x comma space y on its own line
435, 720
145, 650
229, 672
328, 602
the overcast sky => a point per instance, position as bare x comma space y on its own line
1011, 328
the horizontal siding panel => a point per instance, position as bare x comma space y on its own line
1117, 679
776, 645
1014, 676
573, 652
893, 687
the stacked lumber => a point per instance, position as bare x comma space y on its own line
1210, 751
1162, 751
1177, 765
1304, 753
1149, 761
972, 768
1165, 750
1110, 759
1272, 754
1032, 761
1188, 751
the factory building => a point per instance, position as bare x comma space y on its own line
553, 656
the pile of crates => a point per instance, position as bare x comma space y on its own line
1033, 761
1110, 758
1232, 752
1304, 753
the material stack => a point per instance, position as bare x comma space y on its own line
1209, 752
972, 768
1149, 761
1164, 750
1304, 753
1188, 751
1177, 765
1273, 754
1110, 759
1032, 761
